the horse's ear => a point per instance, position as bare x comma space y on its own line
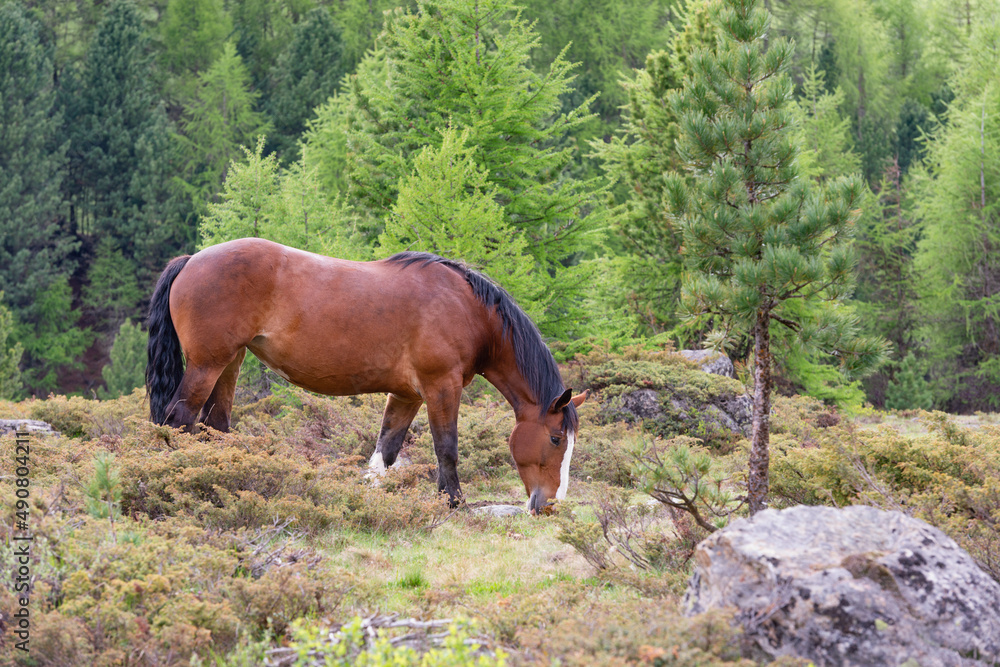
562, 401
580, 398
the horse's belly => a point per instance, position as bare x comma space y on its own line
337, 372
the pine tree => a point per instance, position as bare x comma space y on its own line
127, 369
758, 239
608, 39
217, 122
886, 295
121, 150
909, 390
306, 74
261, 29
52, 341
464, 64
33, 248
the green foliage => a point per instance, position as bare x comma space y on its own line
127, 369
219, 119
914, 120
685, 477
120, 145
639, 158
608, 40
112, 290
33, 250
10, 355
260, 200
448, 207
958, 199
464, 65
51, 337
193, 34
824, 138
262, 29
909, 390
305, 75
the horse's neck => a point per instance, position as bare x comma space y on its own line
503, 374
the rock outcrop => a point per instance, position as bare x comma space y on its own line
710, 361
29, 425
853, 586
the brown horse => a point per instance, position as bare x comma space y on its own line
415, 326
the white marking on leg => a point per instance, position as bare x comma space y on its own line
564, 470
377, 464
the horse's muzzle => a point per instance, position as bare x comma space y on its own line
539, 504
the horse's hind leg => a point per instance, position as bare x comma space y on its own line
218, 408
396, 420
196, 387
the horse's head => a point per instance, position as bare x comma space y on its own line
542, 448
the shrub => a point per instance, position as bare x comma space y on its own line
77, 417
949, 477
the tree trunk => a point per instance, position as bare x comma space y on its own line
757, 484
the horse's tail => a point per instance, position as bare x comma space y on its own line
164, 359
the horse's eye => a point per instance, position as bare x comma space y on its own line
554, 440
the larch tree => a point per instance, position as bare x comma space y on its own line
759, 240
218, 120
194, 32
957, 192
638, 158
464, 64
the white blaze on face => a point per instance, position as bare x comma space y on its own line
564, 470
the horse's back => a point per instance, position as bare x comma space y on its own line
331, 325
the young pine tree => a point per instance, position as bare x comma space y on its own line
759, 239
127, 369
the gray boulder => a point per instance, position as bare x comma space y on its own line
710, 361
853, 586
33, 426
498, 511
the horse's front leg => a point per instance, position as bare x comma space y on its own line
442, 413
396, 420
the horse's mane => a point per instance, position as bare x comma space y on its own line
533, 358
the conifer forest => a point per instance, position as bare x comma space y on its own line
810, 187
538, 142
